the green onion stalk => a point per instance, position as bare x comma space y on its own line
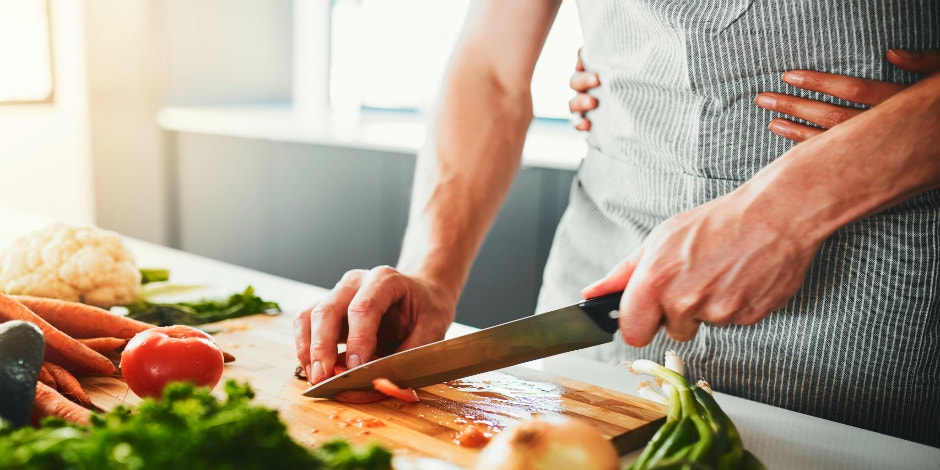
697, 434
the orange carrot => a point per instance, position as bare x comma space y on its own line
76, 367
80, 320
68, 385
103, 345
49, 402
78, 354
46, 377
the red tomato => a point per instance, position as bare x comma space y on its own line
158, 356
387, 387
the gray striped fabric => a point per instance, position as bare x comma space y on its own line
676, 126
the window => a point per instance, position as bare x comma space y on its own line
25, 55
385, 55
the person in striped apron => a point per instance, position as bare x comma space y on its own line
806, 277
857, 339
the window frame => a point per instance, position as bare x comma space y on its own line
50, 97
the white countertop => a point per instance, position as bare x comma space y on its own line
781, 439
549, 144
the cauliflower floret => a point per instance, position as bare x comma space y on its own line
76, 263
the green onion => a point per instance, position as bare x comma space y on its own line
697, 433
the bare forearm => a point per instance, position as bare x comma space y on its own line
462, 178
468, 166
869, 163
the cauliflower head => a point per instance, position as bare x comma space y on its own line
76, 263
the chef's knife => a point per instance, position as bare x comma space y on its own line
585, 324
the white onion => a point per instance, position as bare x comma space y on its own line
549, 442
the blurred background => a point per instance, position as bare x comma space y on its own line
274, 134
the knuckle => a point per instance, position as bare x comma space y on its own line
656, 280
855, 91
787, 106
384, 271
721, 312
303, 316
361, 343
686, 303
362, 307
353, 275
682, 335
320, 349
323, 309
834, 117
748, 318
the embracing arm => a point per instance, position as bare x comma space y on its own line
738, 257
875, 160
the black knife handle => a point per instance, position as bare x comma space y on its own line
600, 308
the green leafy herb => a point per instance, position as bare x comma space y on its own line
148, 275
189, 428
201, 311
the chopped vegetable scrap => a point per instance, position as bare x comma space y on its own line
151, 306
388, 388
187, 428
697, 433
470, 436
148, 275
357, 421
383, 388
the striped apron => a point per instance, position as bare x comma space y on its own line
859, 343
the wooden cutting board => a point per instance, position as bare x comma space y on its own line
265, 358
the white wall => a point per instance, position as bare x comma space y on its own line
224, 52
125, 47
143, 54
45, 162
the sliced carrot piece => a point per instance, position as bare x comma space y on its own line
387, 387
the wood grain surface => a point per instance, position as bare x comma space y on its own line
265, 358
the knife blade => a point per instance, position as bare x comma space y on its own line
588, 323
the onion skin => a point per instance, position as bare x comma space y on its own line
552, 442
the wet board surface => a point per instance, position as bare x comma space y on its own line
265, 358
